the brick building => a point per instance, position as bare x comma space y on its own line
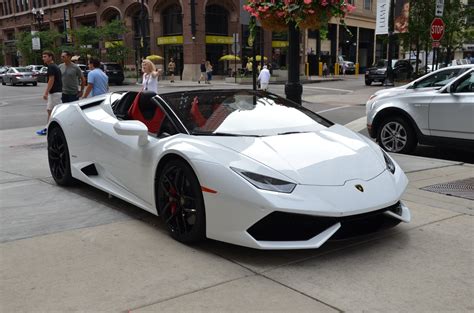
169, 31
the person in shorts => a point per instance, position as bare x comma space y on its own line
171, 69
203, 72
54, 88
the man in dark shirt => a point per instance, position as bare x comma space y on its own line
54, 88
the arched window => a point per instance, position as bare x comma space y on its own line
216, 20
172, 20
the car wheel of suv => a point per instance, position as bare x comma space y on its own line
395, 134
368, 82
34, 84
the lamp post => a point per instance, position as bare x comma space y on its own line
389, 79
38, 15
293, 88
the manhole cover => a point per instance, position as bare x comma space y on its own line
458, 188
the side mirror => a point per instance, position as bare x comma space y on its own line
450, 88
133, 128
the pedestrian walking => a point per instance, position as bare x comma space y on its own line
264, 78
97, 80
171, 69
209, 71
203, 72
72, 79
325, 70
344, 68
52, 93
150, 76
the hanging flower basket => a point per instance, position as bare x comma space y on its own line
312, 14
274, 23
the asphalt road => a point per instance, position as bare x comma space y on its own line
342, 102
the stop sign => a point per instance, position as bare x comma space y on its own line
437, 29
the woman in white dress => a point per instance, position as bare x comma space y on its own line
150, 76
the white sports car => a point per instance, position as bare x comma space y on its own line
244, 167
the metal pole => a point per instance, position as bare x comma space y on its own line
293, 88
254, 62
235, 57
389, 78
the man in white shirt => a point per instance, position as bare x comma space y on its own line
264, 78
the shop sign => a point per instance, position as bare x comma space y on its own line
169, 40
279, 44
112, 44
219, 40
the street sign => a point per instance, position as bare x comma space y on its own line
235, 48
35, 40
437, 29
439, 8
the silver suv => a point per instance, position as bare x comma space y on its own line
434, 116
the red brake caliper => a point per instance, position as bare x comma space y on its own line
172, 199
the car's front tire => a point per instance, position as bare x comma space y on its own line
58, 157
180, 202
368, 82
395, 134
34, 84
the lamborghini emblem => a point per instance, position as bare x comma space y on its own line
359, 187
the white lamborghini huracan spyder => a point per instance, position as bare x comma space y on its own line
244, 167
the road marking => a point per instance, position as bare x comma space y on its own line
333, 109
358, 124
332, 89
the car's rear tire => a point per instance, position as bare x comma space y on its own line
180, 202
368, 82
58, 157
34, 84
395, 134
4, 83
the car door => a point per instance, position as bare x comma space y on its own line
121, 160
9, 75
452, 110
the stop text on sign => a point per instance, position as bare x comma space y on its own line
437, 29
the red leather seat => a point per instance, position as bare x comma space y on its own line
147, 111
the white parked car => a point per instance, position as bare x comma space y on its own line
248, 168
433, 80
437, 116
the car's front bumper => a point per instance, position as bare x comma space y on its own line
236, 208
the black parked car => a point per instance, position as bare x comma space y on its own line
402, 69
114, 71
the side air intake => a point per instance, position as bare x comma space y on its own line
90, 170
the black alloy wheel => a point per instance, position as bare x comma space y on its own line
180, 202
58, 157
395, 134
368, 82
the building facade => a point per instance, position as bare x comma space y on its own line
189, 32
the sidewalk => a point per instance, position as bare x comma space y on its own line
74, 249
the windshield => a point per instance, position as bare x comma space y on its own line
438, 79
242, 113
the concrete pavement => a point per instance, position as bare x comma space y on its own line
74, 249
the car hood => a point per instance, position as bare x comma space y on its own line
328, 157
402, 90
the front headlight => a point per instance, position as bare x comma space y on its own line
388, 162
266, 182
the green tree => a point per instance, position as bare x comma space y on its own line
86, 41
112, 33
49, 40
457, 31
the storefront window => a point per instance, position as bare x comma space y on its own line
172, 20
